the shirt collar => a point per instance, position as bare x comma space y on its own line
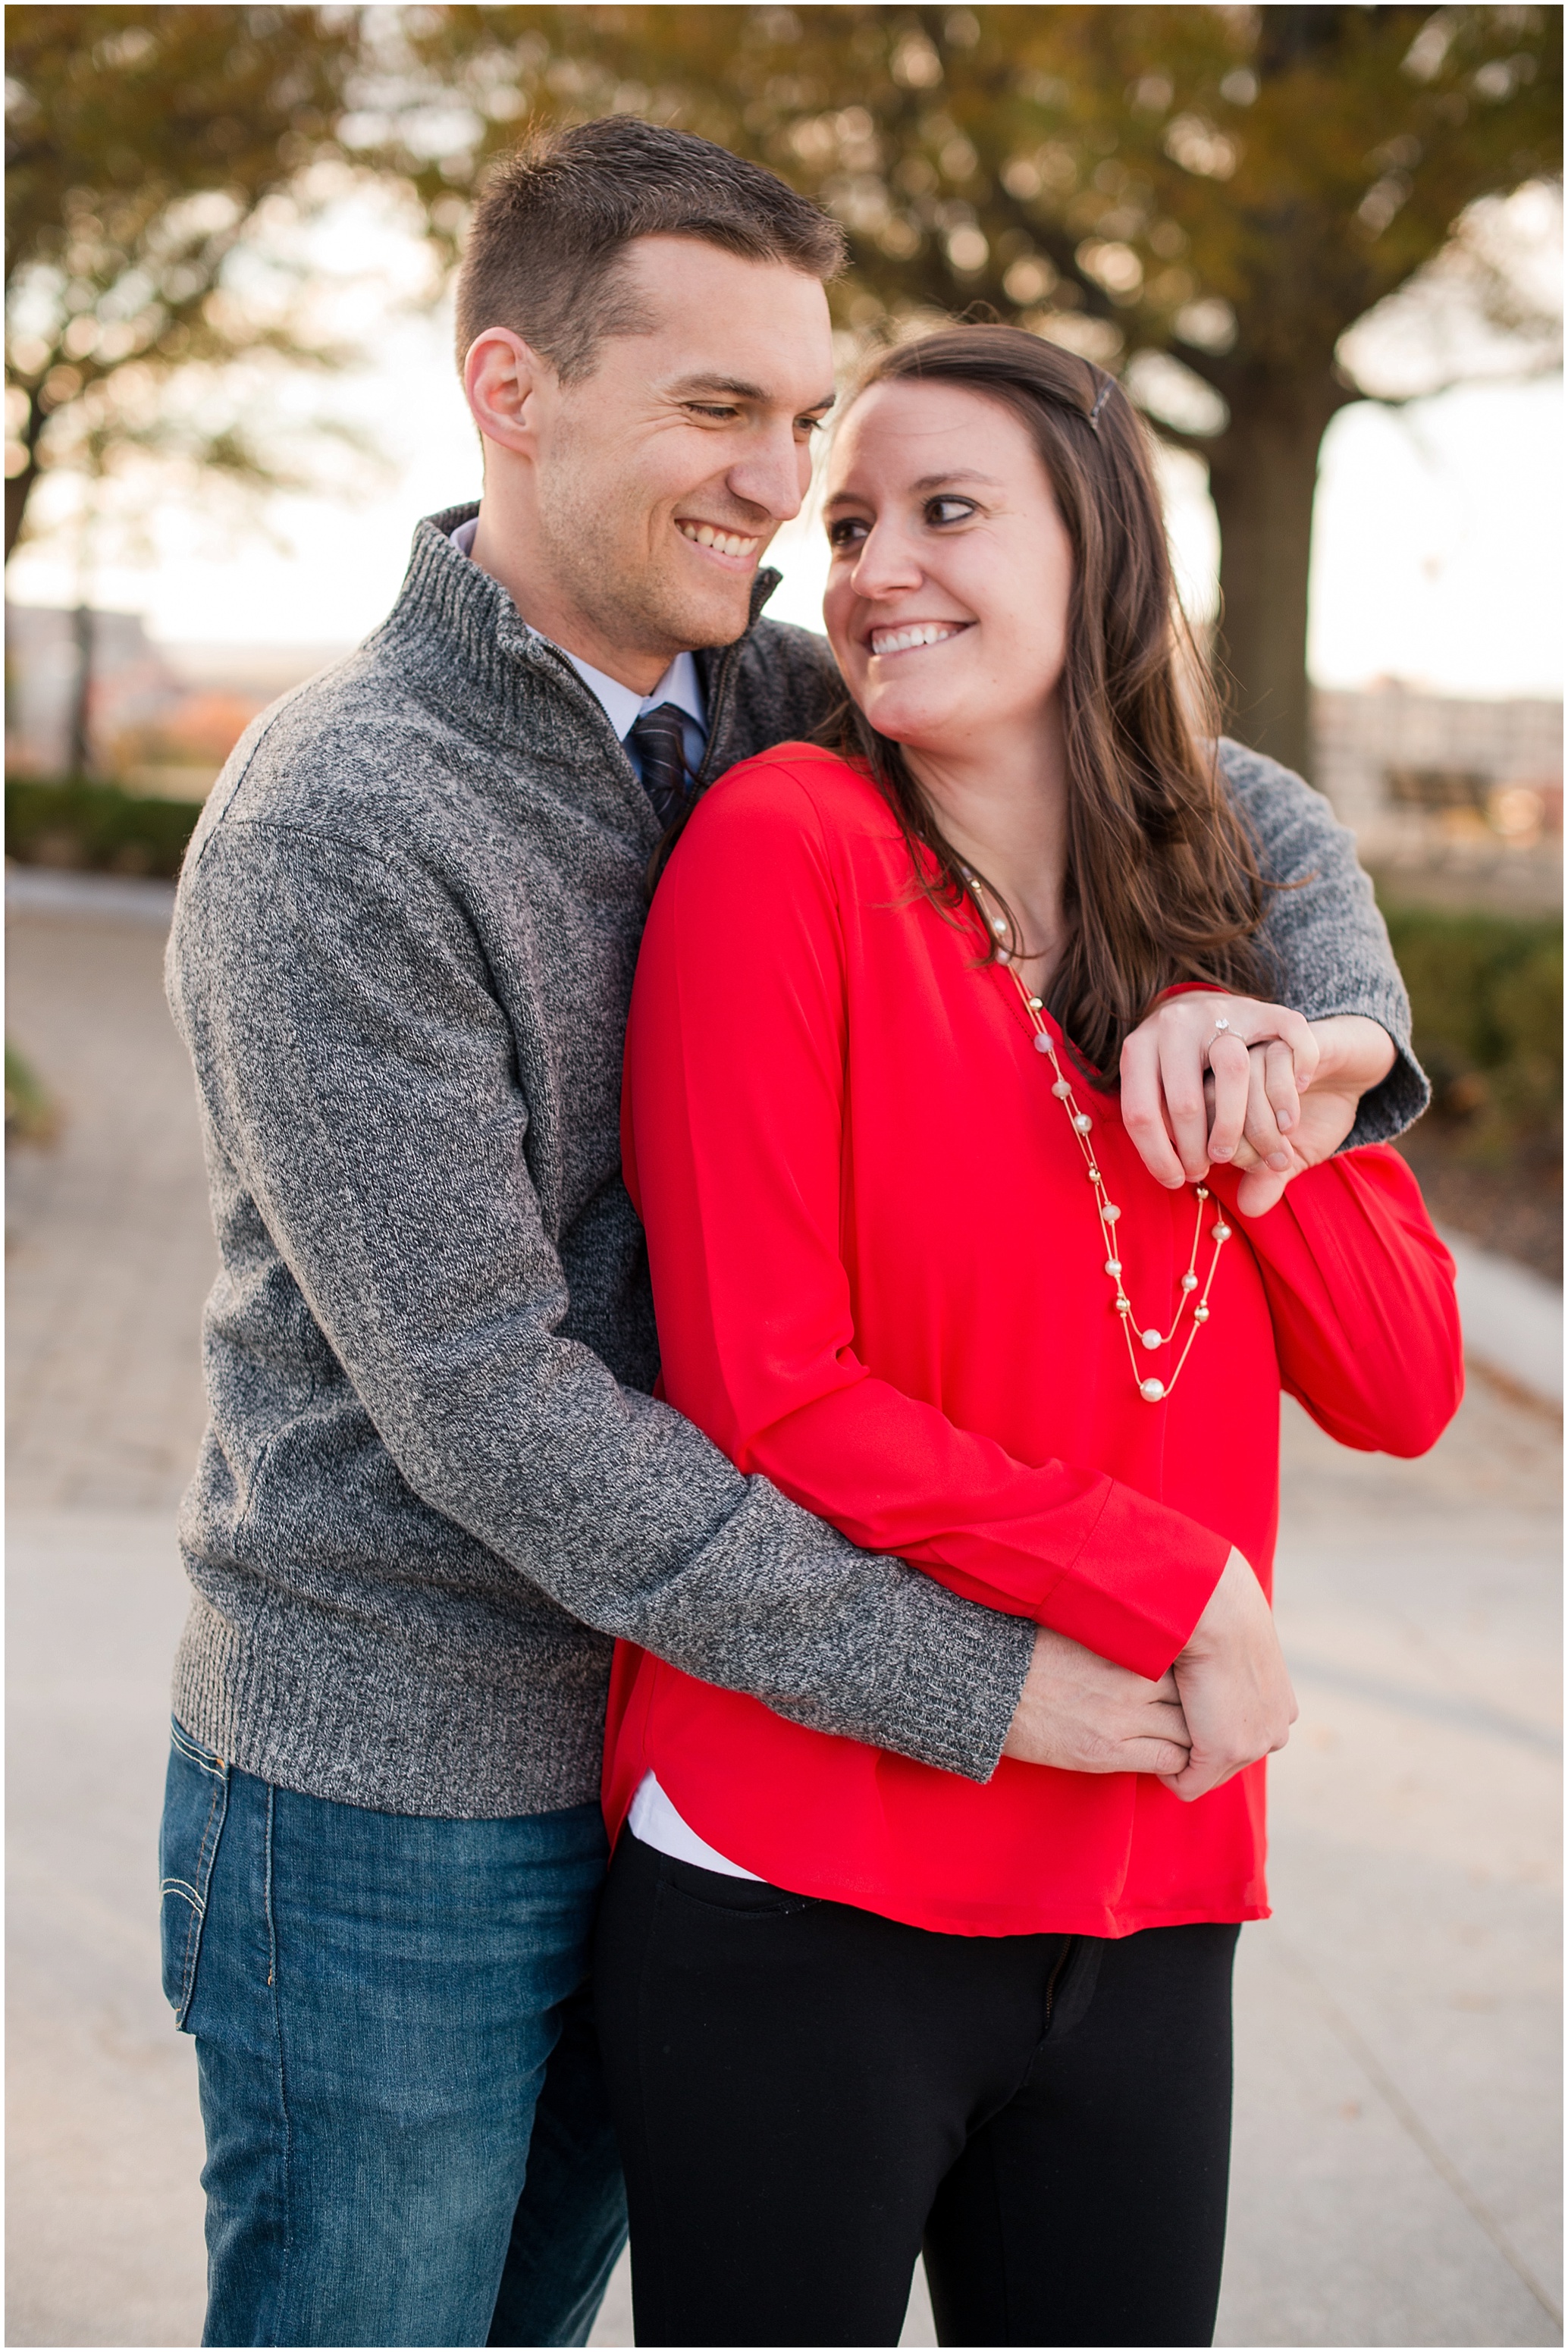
623, 706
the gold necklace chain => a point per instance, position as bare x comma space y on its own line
1194, 1297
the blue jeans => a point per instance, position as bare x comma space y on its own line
409, 2140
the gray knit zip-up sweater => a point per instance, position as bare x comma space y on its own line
434, 1483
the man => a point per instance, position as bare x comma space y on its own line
434, 1480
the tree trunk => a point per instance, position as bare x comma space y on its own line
19, 488
1263, 475
80, 760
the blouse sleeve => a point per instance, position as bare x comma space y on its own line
733, 1133
1362, 1294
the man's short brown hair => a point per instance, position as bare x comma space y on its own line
546, 251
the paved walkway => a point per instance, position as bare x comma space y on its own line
1512, 1319
1397, 2110
109, 1246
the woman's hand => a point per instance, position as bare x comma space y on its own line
1273, 1093
1082, 1714
1236, 1693
1178, 1121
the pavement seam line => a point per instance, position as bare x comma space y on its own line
1406, 2116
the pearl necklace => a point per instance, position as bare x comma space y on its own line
1193, 1296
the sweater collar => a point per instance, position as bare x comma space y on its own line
460, 635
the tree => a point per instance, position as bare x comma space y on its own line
147, 148
1207, 197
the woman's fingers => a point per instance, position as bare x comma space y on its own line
1230, 1066
1183, 1065
1198, 1035
1144, 1104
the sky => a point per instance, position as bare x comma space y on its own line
1437, 552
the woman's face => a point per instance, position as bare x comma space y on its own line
952, 570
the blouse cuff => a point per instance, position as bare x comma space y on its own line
1111, 1602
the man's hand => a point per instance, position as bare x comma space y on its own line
1082, 1713
1235, 1692
1354, 1054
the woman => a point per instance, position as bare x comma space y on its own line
907, 1263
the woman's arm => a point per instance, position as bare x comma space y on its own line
1362, 1294
733, 1141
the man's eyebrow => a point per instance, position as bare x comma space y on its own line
924, 486
734, 388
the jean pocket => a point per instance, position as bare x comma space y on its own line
195, 1801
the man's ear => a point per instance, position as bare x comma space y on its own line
504, 379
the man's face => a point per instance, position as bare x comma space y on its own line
662, 476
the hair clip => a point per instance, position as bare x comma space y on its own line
1101, 398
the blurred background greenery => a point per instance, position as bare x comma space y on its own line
1257, 216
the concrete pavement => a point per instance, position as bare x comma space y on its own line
1397, 2092
1512, 1319
109, 1246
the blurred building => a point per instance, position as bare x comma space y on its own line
1436, 782
131, 681
161, 717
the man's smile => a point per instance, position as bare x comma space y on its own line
732, 546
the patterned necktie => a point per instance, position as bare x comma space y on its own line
660, 741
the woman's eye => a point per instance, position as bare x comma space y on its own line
940, 511
848, 532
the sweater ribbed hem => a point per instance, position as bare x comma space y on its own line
316, 1716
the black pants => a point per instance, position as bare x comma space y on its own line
807, 2093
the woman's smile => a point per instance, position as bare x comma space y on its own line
913, 637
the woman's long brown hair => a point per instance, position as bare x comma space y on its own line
1162, 883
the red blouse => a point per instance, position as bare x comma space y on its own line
880, 1282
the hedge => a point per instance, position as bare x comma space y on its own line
97, 827
32, 1115
1486, 992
